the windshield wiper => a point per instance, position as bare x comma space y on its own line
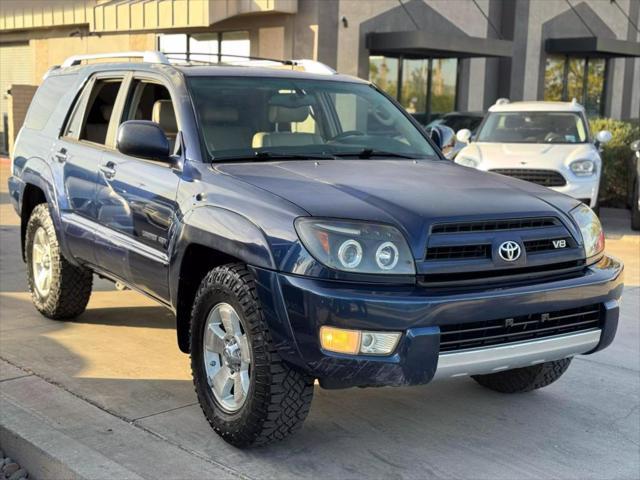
372, 152
252, 157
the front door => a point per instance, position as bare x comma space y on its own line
136, 198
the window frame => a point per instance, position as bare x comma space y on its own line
219, 38
139, 76
81, 102
564, 97
429, 83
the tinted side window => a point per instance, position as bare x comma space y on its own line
152, 102
99, 109
46, 99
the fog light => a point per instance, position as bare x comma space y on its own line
340, 340
378, 343
355, 341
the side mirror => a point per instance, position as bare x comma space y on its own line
603, 136
464, 135
444, 137
144, 139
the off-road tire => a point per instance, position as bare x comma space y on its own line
70, 285
520, 380
279, 396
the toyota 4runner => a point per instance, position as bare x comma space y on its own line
301, 226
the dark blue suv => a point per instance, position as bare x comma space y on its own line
301, 226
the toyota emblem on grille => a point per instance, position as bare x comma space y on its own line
509, 251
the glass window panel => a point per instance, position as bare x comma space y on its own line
575, 79
595, 86
235, 43
443, 85
383, 72
414, 85
553, 77
203, 43
174, 43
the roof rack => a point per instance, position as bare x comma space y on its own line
148, 56
167, 58
311, 66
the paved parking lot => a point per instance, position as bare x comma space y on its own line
120, 361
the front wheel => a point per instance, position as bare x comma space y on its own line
520, 380
59, 290
247, 393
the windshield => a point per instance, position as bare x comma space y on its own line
533, 127
253, 117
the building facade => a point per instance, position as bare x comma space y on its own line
434, 56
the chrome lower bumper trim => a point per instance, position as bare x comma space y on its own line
515, 355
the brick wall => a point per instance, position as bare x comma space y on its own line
19, 102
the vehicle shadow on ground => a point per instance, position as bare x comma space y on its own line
147, 317
355, 433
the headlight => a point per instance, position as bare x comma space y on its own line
466, 161
359, 247
583, 168
590, 228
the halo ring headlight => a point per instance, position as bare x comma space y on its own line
350, 254
387, 256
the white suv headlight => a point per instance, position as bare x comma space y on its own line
359, 247
591, 230
583, 168
467, 161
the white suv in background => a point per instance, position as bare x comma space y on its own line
547, 143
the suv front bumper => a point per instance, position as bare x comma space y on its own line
584, 189
296, 307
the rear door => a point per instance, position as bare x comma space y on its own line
137, 197
79, 152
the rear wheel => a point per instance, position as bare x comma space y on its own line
520, 380
248, 394
59, 290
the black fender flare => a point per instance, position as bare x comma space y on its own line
219, 229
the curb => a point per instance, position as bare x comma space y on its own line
56, 434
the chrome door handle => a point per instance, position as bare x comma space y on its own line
61, 155
108, 169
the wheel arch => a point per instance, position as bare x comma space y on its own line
32, 196
210, 237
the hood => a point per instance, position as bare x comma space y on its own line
409, 194
548, 156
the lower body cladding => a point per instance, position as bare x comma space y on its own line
442, 335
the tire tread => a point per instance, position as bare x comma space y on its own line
521, 380
282, 401
71, 286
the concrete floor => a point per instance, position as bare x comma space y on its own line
121, 357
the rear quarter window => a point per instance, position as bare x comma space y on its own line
46, 99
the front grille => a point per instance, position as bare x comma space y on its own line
459, 252
536, 246
546, 178
499, 277
494, 225
527, 327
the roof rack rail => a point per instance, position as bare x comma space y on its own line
166, 58
311, 66
147, 56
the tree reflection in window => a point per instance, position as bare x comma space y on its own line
567, 77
